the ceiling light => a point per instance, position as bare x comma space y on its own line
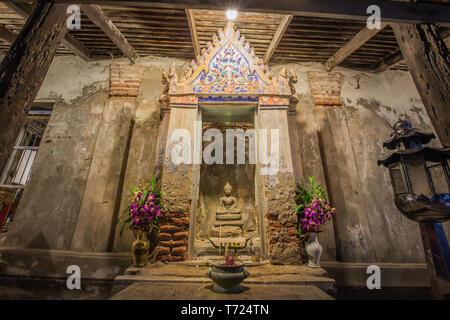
231, 14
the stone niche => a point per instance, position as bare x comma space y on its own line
213, 178
229, 87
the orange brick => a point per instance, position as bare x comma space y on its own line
170, 228
178, 221
181, 235
165, 236
178, 251
172, 243
162, 251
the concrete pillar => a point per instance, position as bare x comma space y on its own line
98, 212
308, 162
177, 185
351, 225
277, 201
96, 225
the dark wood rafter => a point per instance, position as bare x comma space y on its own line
25, 10
98, 17
24, 68
428, 60
277, 37
389, 62
354, 44
393, 11
193, 29
6, 35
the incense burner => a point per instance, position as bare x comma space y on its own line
227, 278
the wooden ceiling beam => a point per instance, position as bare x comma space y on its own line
98, 17
392, 11
397, 58
7, 35
193, 29
25, 10
277, 37
354, 44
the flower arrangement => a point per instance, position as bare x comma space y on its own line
312, 207
144, 210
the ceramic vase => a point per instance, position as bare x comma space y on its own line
314, 250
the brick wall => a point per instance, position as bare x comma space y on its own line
125, 79
173, 237
325, 87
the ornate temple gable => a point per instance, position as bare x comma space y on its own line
228, 66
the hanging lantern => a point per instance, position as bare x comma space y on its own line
419, 174
421, 186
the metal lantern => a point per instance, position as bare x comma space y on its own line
421, 185
420, 174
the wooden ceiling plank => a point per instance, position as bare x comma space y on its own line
193, 29
7, 35
390, 62
354, 44
393, 11
25, 10
97, 16
277, 37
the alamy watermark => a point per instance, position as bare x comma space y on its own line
374, 280
74, 19
263, 147
74, 280
374, 20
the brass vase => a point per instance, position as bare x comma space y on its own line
140, 248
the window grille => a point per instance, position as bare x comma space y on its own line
18, 168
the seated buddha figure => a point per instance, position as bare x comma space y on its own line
228, 209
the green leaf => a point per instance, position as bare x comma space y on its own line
144, 195
122, 214
121, 230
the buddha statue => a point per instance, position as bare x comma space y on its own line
228, 216
228, 209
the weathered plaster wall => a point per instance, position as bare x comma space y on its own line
49, 211
338, 145
47, 215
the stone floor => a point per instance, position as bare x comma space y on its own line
196, 291
186, 281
